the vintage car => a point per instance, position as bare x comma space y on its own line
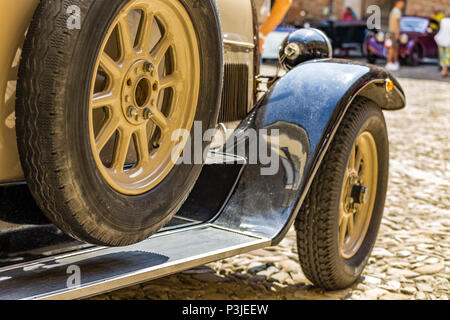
416, 41
344, 35
93, 194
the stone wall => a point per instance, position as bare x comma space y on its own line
425, 7
318, 8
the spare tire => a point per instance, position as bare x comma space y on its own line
97, 106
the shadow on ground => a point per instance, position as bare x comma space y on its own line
204, 283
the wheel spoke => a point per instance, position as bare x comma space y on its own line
160, 120
121, 150
343, 229
358, 161
145, 32
126, 40
351, 163
103, 99
351, 225
160, 50
106, 133
169, 81
141, 141
111, 67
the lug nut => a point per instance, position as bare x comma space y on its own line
132, 112
148, 67
148, 113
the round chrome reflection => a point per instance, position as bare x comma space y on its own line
304, 45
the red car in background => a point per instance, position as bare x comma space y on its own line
416, 41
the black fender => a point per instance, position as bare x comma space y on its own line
307, 106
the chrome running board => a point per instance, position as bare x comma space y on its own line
105, 269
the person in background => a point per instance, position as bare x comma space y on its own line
443, 41
393, 36
279, 11
349, 14
438, 15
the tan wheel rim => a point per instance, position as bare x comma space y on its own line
145, 86
358, 195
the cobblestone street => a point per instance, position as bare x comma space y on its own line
412, 257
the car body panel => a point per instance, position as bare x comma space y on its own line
15, 17
236, 17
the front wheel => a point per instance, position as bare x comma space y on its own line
339, 221
99, 109
414, 58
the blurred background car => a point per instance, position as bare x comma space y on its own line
345, 34
416, 41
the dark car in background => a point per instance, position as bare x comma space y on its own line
344, 35
416, 41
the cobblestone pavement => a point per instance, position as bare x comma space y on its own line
411, 259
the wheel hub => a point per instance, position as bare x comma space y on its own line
358, 195
139, 89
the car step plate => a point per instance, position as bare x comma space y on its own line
97, 270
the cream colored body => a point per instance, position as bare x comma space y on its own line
238, 30
15, 17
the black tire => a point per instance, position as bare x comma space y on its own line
372, 59
317, 223
414, 58
52, 113
363, 49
